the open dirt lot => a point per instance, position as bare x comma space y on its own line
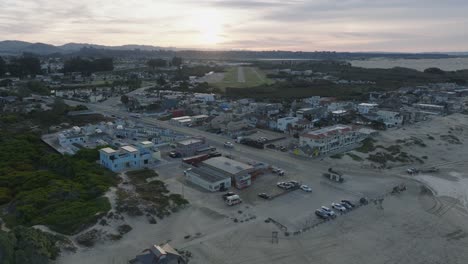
424, 224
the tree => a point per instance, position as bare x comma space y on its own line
23, 66
434, 70
161, 81
176, 61
155, 63
124, 99
2, 67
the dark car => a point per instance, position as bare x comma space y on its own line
264, 196
346, 205
271, 146
174, 154
349, 203
226, 195
321, 214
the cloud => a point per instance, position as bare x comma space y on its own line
392, 25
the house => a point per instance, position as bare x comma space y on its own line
128, 157
365, 108
390, 118
330, 139
284, 123
163, 254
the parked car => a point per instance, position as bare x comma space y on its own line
228, 144
264, 196
285, 185
175, 154
294, 183
306, 188
226, 195
338, 207
322, 214
281, 172
283, 149
329, 211
271, 146
348, 202
347, 206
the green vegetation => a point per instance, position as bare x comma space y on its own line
23, 66
381, 80
354, 156
141, 176
367, 146
153, 196
28, 245
40, 187
252, 77
87, 66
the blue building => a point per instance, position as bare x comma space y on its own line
129, 157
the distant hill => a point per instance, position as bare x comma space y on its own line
14, 47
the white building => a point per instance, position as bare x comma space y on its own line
205, 97
331, 139
364, 108
282, 123
390, 118
181, 121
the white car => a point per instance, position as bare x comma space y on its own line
306, 188
339, 207
328, 211
228, 144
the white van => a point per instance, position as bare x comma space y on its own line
232, 200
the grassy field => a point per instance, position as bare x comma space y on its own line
242, 77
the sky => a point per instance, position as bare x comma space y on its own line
334, 25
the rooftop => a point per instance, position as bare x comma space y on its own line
209, 175
129, 148
108, 150
189, 141
228, 165
327, 131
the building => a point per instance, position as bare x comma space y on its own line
129, 157
330, 139
208, 179
284, 123
237, 171
364, 108
163, 254
390, 118
181, 121
189, 147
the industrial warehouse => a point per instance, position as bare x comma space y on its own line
215, 174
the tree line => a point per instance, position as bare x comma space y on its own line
159, 63
88, 66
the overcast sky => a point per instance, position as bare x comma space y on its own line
342, 25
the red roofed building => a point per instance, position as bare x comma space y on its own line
331, 139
